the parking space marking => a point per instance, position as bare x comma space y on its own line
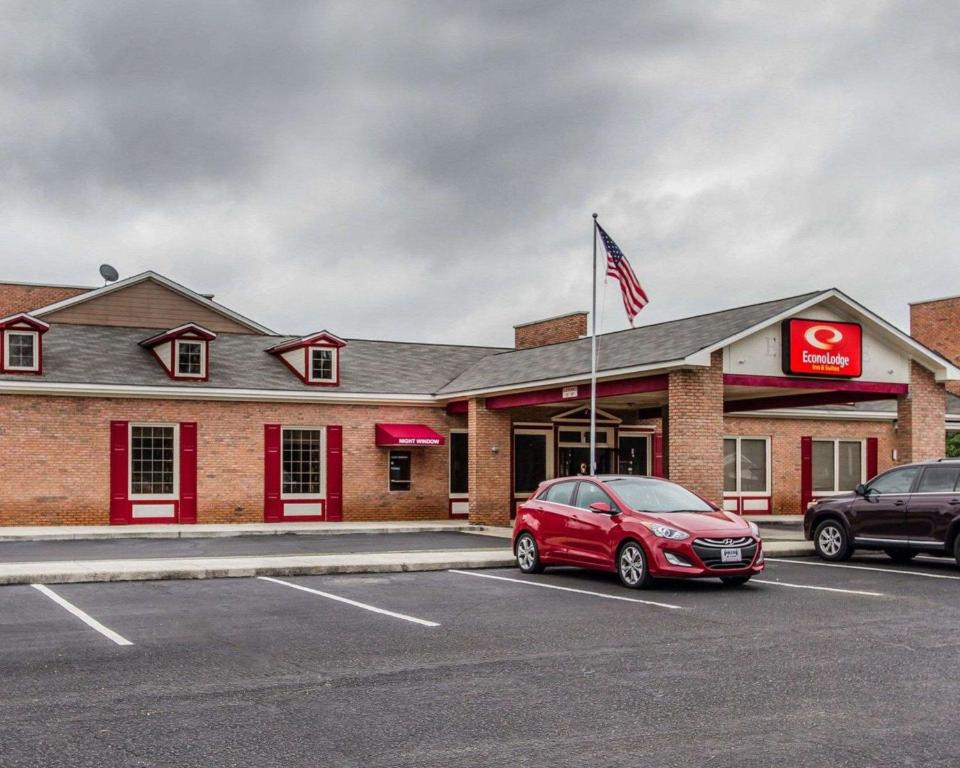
568, 589
865, 568
84, 617
819, 589
354, 603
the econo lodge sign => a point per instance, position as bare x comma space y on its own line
822, 348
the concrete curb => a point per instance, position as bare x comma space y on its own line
75, 571
788, 548
99, 532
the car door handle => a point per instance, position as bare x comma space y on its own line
954, 502
899, 503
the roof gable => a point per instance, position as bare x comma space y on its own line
147, 300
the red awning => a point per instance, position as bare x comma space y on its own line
406, 435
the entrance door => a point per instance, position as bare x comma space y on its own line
576, 461
634, 455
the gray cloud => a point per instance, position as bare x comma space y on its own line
426, 170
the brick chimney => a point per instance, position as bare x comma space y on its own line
936, 324
553, 330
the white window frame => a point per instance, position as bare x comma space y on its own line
452, 495
334, 364
175, 496
323, 463
390, 452
176, 359
548, 434
836, 464
6, 350
767, 480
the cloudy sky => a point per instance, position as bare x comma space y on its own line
427, 170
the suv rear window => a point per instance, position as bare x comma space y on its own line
939, 480
561, 493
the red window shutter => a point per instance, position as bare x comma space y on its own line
119, 473
188, 472
658, 454
806, 472
272, 508
872, 443
334, 505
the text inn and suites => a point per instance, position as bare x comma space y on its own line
145, 401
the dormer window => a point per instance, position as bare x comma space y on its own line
315, 359
20, 342
184, 352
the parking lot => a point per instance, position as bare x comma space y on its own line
812, 664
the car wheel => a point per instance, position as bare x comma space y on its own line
632, 566
900, 555
734, 581
528, 554
831, 541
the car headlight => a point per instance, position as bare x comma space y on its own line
666, 532
754, 528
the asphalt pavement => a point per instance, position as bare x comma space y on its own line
809, 665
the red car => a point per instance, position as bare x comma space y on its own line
640, 527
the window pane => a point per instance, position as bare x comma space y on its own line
152, 460
302, 461
633, 455
529, 462
590, 493
189, 358
399, 470
895, 481
20, 354
823, 478
729, 466
753, 465
848, 456
321, 364
458, 462
561, 493
938, 480
570, 436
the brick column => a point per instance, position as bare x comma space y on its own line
488, 464
693, 429
920, 418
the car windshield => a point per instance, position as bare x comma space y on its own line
657, 496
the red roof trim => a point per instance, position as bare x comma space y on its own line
319, 339
22, 318
190, 329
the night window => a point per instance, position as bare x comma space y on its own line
745, 465
400, 470
21, 351
458, 463
190, 360
302, 462
837, 465
322, 364
153, 460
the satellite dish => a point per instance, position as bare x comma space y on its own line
108, 273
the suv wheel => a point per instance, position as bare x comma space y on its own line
632, 566
831, 541
900, 555
528, 554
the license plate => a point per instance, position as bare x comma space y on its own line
730, 556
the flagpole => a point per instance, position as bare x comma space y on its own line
593, 360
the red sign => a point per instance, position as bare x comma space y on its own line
822, 348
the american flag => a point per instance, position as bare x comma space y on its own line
634, 298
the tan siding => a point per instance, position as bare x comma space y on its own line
145, 305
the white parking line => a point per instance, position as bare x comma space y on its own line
568, 589
354, 603
84, 617
820, 589
865, 568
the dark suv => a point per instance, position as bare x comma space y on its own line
907, 510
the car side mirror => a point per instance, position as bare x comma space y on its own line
860, 490
602, 507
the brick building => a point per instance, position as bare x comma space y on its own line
144, 401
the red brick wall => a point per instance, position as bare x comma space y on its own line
56, 470
694, 436
937, 325
785, 437
488, 471
23, 298
567, 328
920, 418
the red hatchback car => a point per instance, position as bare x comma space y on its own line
640, 527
